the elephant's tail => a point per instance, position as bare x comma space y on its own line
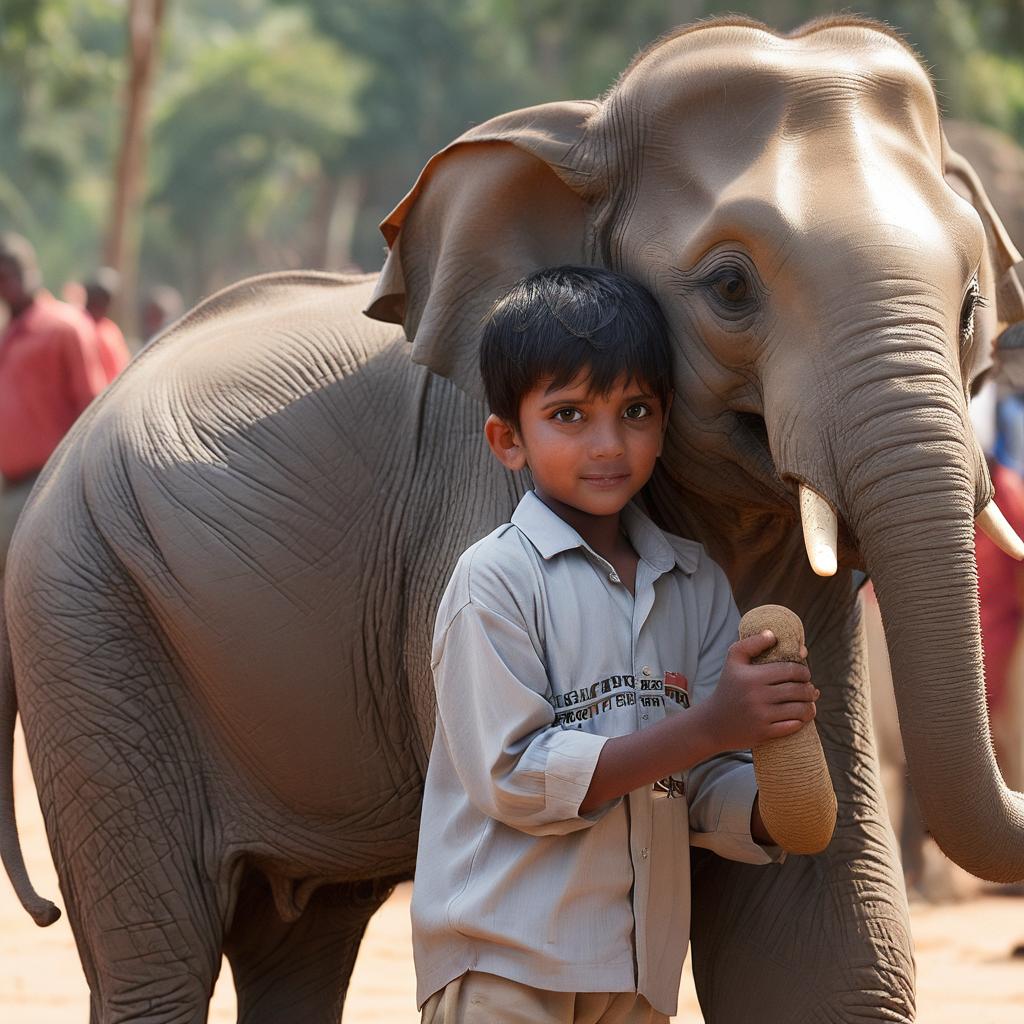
42, 911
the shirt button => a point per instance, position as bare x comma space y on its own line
645, 718
646, 670
614, 577
643, 853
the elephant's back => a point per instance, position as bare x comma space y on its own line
246, 474
252, 349
256, 427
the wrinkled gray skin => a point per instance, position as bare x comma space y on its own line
221, 596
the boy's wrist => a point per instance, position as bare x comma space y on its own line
703, 741
676, 744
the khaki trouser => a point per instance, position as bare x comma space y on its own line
12, 500
478, 998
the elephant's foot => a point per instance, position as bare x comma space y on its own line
298, 971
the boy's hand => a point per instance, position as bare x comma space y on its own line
754, 703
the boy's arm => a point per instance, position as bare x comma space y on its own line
639, 759
498, 728
752, 703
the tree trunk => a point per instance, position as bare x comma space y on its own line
347, 196
145, 19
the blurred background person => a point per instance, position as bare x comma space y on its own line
73, 292
1001, 597
1000, 577
50, 370
100, 291
1009, 442
161, 306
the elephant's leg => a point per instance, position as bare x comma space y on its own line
912, 840
123, 791
824, 939
143, 915
300, 970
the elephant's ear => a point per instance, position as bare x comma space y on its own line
1003, 285
505, 199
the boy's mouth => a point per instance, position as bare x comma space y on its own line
605, 479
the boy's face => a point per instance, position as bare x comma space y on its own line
588, 451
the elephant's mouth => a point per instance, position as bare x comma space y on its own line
753, 440
756, 430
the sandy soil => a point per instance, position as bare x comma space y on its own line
965, 972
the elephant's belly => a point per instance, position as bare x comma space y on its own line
311, 722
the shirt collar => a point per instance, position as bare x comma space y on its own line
551, 535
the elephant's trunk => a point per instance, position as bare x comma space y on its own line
915, 529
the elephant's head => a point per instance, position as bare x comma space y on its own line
834, 277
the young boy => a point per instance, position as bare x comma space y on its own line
569, 773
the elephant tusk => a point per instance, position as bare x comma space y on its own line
820, 531
993, 523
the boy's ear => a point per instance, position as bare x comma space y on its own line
505, 442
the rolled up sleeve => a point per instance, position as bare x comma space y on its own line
515, 764
722, 792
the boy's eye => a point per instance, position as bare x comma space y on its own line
637, 411
568, 415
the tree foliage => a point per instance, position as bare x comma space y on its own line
283, 130
59, 65
245, 145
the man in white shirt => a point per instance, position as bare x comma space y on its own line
594, 711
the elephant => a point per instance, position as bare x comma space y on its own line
219, 601
998, 161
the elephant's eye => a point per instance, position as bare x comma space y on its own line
973, 301
731, 287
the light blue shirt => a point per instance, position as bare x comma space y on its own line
541, 654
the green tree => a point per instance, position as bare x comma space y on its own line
59, 65
284, 130
251, 156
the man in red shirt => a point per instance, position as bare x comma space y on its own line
99, 293
50, 370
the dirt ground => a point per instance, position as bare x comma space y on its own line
965, 972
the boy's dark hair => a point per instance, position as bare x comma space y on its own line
561, 320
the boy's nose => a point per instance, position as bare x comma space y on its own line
606, 443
